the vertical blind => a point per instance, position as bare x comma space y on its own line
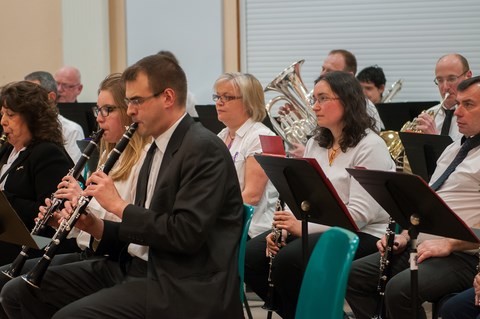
405, 38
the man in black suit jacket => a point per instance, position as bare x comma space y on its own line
191, 224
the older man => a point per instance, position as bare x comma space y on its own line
450, 70
446, 265
69, 84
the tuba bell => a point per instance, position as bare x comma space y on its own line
298, 122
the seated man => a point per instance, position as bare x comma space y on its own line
69, 84
372, 79
188, 210
445, 265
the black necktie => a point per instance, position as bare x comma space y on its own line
462, 153
142, 183
447, 122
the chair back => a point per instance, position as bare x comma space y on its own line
325, 280
247, 218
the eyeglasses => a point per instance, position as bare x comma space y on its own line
138, 100
224, 98
104, 110
451, 79
321, 100
67, 86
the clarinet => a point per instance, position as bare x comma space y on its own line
35, 276
277, 238
385, 267
57, 203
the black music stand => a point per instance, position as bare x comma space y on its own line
395, 114
416, 207
13, 230
423, 151
308, 193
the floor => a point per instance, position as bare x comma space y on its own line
258, 313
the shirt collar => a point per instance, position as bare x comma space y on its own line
163, 139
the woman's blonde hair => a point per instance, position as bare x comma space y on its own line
114, 84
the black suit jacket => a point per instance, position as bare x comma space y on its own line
193, 228
33, 177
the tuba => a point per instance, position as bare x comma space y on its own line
296, 124
396, 87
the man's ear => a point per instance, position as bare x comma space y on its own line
382, 88
52, 96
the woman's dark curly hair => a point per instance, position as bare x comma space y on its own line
356, 119
31, 102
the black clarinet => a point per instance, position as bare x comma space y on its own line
57, 203
270, 297
385, 268
34, 277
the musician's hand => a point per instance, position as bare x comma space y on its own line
288, 222
433, 248
103, 189
426, 124
476, 286
54, 220
68, 188
399, 244
272, 248
297, 151
285, 109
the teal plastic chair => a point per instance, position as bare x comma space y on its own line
324, 283
247, 218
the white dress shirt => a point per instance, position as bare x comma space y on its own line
440, 117
72, 132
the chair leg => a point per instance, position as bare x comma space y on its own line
247, 306
269, 314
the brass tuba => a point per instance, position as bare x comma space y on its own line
297, 123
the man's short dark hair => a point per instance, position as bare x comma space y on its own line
350, 60
46, 80
465, 84
372, 74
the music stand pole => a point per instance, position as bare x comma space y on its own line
413, 233
305, 206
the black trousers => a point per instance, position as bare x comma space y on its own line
287, 268
96, 288
437, 277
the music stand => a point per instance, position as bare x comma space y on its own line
395, 114
309, 194
423, 151
13, 230
81, 113
416, 207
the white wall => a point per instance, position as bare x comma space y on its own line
190, 29
86, 42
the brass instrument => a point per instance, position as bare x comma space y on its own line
35, 276
384, 269
17, 265
396, 87
296, 124
392, 139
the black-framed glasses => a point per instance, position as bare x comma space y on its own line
451, 79
224, 98
321, 100
103, 110
139, 100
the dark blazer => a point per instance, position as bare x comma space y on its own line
193, 228
33, 177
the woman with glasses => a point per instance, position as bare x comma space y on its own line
33, 158
240, 106
344, 138
111, 113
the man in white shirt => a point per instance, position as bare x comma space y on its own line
69, 84
72, 132
450, 70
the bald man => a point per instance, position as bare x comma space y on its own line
69, 84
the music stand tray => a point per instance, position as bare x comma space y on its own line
423, 151
301, 180
395, 114
13, 230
